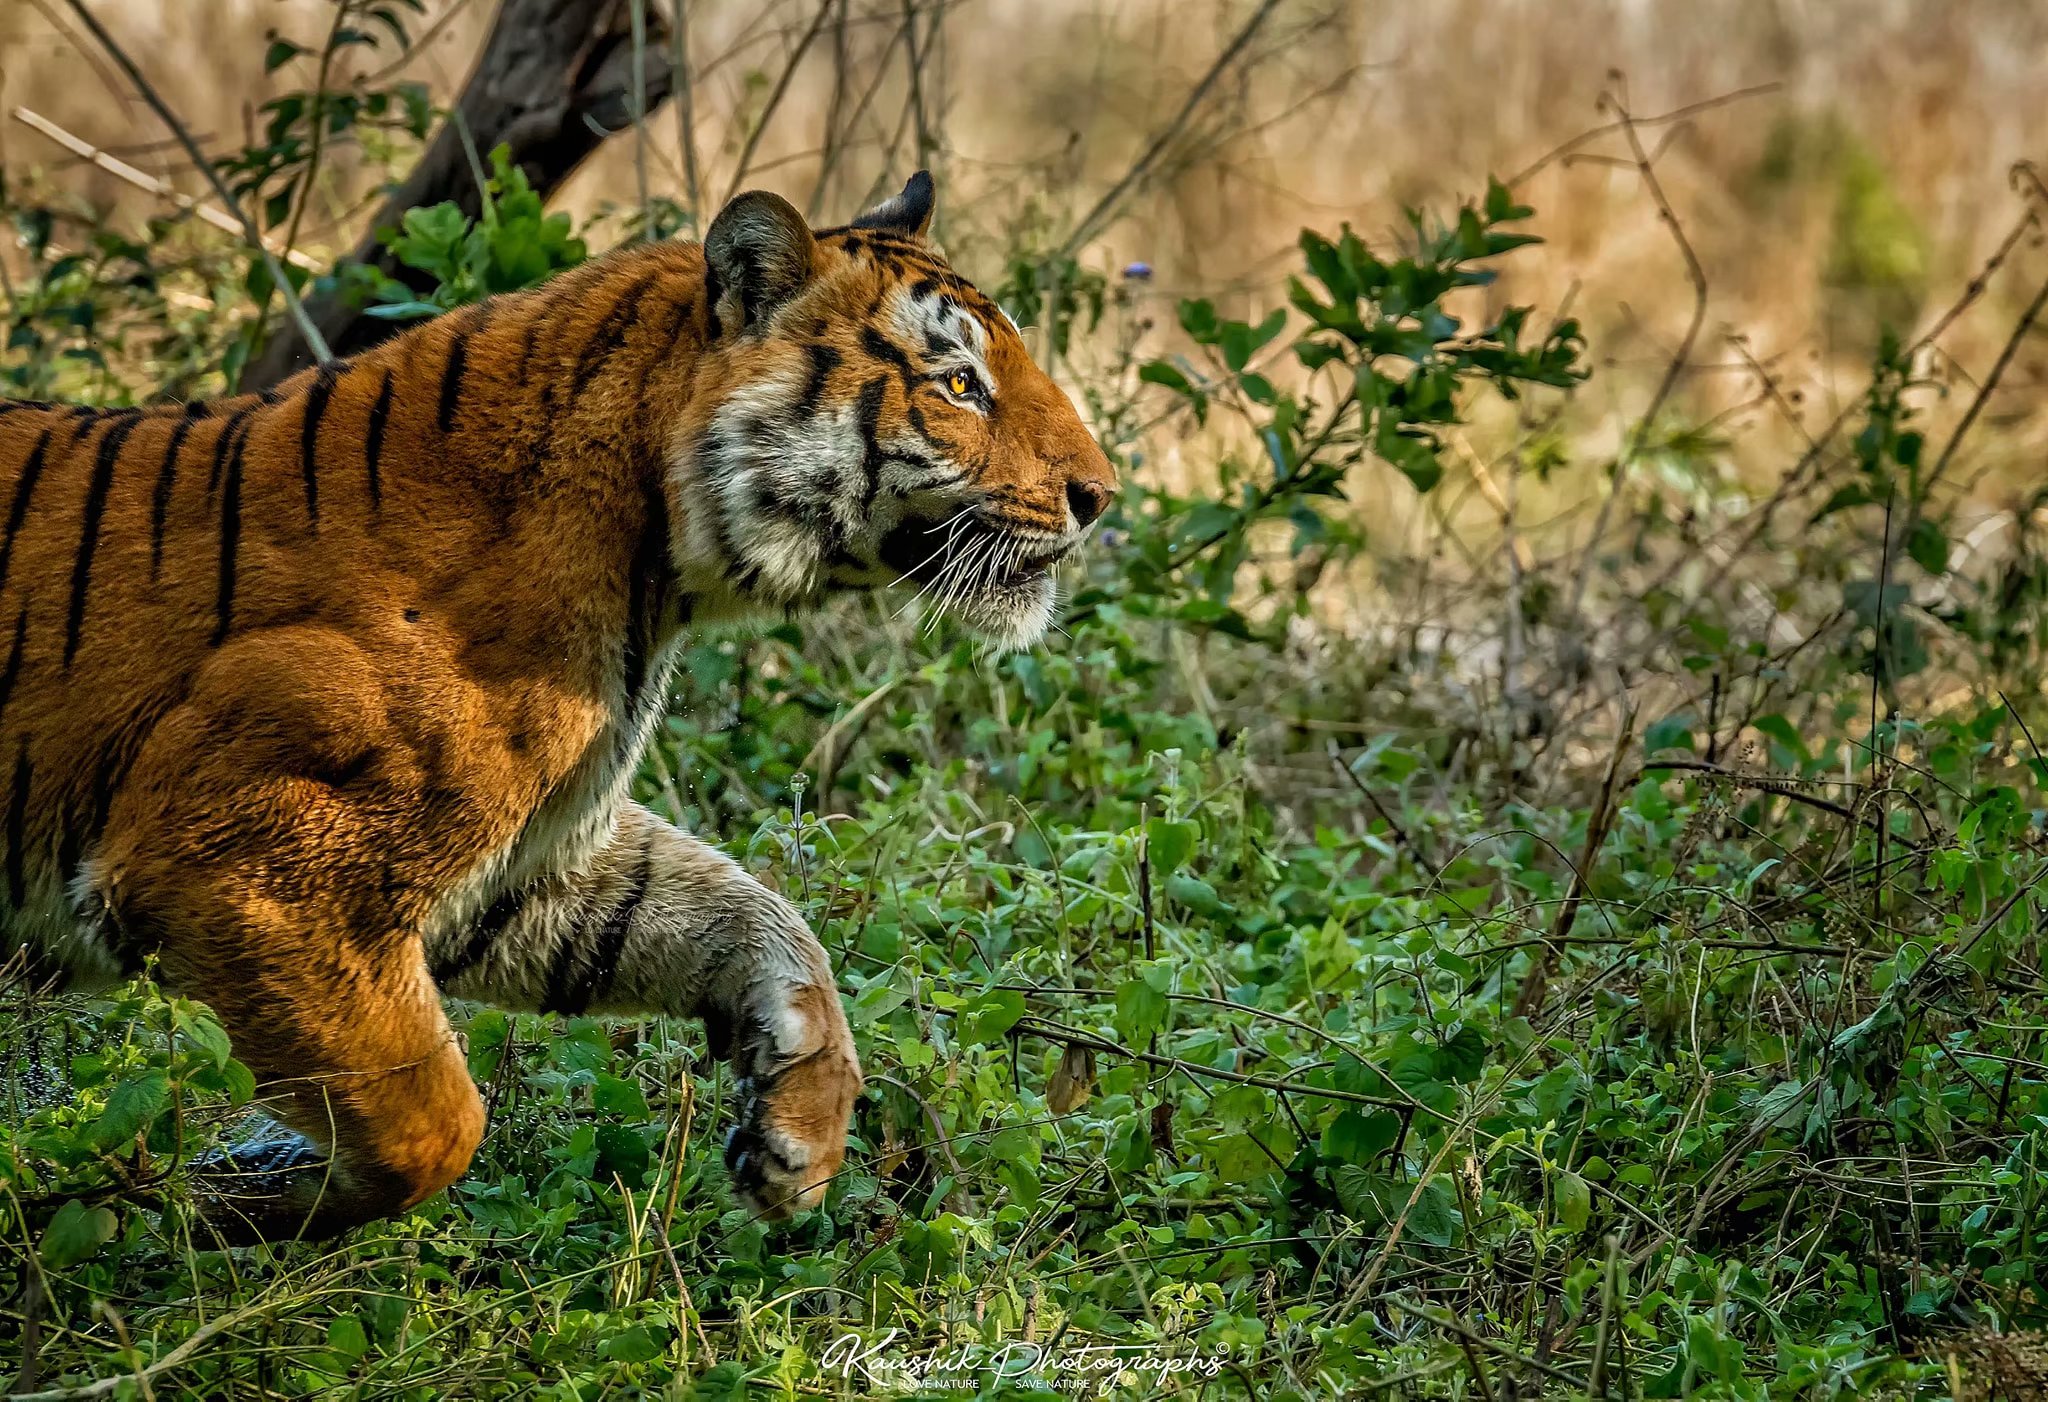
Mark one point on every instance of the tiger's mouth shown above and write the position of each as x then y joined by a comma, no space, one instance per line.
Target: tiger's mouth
995,576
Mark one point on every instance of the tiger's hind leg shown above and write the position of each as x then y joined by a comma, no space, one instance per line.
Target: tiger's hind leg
291,908
661,922
358,1064
376,1117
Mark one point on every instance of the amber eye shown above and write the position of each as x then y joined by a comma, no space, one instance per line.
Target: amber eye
960,383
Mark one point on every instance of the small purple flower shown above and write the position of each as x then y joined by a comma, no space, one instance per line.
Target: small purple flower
1138,272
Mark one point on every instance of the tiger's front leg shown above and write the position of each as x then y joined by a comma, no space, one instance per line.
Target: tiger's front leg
661,922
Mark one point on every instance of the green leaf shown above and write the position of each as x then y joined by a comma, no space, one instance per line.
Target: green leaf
130,1108
622,1150
347,1337
990,1016
1869,601
1196,894
1358,1138
281,52
1463,1055
636,1345
1132,1150
1927,544
1434,1217
1674,732
207,1035
1140,1010
239,1082
1574,1199
1159,372
614,1096
1776,1106
1168,845
75,1233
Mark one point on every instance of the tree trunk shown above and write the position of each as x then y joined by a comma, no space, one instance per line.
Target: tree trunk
555,77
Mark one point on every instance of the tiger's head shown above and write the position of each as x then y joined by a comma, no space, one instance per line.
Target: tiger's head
865,417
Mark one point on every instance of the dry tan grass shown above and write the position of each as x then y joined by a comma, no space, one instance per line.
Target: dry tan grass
1916,109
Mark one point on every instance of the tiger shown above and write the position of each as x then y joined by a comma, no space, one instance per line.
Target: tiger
325,703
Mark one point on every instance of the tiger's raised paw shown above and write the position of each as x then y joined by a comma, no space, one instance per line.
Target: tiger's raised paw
798,1080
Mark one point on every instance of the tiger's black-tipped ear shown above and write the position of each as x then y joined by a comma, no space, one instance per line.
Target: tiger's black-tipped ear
907,213
759,253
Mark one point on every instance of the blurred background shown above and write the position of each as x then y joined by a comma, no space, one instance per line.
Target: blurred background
1859,171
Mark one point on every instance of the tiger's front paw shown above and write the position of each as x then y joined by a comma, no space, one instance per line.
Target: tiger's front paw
798,1079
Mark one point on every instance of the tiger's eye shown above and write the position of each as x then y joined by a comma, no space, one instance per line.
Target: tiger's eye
959,382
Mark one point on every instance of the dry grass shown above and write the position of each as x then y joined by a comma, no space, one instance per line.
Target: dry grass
1865,185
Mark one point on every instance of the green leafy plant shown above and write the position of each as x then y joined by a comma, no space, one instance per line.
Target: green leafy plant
514,243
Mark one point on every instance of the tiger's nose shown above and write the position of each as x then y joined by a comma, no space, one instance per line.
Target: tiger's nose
1087,498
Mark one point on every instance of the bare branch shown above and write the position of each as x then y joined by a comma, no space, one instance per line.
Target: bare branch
315,342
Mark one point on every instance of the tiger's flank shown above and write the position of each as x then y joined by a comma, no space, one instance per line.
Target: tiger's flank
330,698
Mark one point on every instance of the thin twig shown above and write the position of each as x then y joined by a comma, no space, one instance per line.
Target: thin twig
315,342
1678,114
639,91
1400,833
1680,359
143,180
796,58
686,119
1073,1036
1529,1001
1086,228
2021,329
108,1386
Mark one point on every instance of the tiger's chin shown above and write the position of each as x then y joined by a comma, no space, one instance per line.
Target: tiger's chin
1013,614
996,582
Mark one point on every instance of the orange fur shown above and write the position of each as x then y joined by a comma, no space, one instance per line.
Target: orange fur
293,683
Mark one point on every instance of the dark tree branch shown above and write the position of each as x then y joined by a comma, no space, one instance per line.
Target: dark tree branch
555,78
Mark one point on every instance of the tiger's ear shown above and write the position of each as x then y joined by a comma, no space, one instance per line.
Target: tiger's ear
909,212
759,251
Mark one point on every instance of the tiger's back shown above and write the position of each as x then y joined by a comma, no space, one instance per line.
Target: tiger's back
198,566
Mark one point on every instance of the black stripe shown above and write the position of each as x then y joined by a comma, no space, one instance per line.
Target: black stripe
24,488
317,395
945,447
489,926
16,406
166,479
610,333
611,940
89,532
670,330
451,382
869,416
373,443
573,982
714,290
223,443
230,543
643,587
890,354
85,420
12,672
529,338
17,829
119,758
824,360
